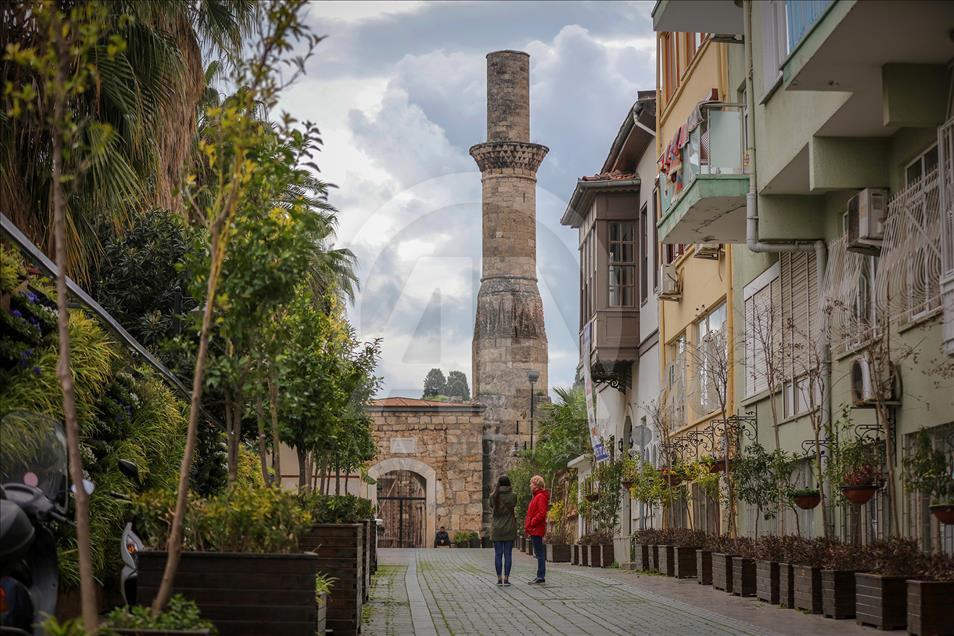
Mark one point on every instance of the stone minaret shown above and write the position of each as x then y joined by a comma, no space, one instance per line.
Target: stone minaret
509,336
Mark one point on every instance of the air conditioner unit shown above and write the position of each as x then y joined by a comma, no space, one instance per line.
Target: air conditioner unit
710,251
670,287
866,388
864,221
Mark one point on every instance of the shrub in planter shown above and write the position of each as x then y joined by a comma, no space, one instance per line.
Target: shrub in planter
929,600
769,552
743,576
181,616
881,594
839,565
806,558
724,549
241,562
461,539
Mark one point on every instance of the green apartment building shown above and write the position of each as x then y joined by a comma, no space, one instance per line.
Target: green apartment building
841,232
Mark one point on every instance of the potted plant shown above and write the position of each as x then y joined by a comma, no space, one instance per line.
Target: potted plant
181,617
242,544
743,567
323,585
558,550
724,550
858,464
806,498
929,598
881,594
630,472
929,471
665,552
461,539
839,565
641,543
685,543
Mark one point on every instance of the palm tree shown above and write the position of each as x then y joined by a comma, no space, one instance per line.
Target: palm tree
151,81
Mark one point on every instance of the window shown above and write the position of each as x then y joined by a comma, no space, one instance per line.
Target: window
800,337
622,264
674,251
643,254
587,274
667,65
675,407
922,165
711,361
763,331
774,43
655,242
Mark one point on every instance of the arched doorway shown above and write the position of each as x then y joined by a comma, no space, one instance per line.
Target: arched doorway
402,502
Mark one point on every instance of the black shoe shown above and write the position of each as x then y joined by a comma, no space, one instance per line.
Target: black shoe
537,581
499,583
506,583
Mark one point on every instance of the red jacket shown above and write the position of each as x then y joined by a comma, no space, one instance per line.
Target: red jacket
536,522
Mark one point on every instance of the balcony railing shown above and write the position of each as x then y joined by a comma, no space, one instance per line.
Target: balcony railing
713,145
945,143
801,16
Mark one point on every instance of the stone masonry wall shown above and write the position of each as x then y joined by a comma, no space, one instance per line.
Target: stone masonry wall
448,442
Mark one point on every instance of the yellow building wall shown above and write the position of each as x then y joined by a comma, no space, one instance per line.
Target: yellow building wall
705,283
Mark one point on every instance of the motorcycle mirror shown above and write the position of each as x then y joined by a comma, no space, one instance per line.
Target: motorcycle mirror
88,486
130,469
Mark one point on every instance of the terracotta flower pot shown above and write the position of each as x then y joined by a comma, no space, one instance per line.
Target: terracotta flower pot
943,513
859,495
807,502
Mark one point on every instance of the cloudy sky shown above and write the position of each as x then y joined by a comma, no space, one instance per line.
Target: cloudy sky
399,91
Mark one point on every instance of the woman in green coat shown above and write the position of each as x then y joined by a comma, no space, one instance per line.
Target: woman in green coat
503,532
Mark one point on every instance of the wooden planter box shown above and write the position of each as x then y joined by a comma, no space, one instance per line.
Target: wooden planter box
766,581
608,555
158,632
929,607
641,557
808,592
704,567
373,545
786,585
722,571
838,593
574,554
685,563
654,558
529,547
667,558
881,601
366,566
558,553
243,594
585,555
340,550
743,576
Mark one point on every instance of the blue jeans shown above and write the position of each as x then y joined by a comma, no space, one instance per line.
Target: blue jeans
540,551
503,551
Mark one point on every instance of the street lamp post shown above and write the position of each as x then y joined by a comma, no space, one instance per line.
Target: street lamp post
533,376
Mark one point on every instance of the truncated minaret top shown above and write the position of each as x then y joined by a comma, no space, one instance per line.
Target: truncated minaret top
508,96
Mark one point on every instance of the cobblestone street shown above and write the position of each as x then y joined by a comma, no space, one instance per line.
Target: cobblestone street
425,592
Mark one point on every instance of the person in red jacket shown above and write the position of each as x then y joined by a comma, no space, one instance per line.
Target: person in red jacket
536,525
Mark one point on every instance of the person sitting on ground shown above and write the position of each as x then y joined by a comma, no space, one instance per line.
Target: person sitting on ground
536,525
441,539
503,532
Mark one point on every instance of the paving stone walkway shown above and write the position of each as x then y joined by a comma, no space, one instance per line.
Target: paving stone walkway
442,591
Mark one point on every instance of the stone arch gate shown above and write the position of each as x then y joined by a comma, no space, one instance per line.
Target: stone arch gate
408,483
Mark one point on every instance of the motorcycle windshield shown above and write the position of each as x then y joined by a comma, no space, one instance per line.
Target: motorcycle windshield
33,452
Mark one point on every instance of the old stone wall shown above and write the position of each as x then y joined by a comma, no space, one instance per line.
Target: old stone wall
447,439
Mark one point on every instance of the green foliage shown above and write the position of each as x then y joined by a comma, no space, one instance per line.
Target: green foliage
323,585
243,518
337,508
457,385
928,470
461,538
180,613
435,383
648,485
72,627
762,478
604,511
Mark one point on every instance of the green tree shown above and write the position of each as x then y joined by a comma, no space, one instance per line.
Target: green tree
457,385
435,384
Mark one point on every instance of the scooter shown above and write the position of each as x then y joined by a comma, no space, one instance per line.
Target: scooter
130,544
33,493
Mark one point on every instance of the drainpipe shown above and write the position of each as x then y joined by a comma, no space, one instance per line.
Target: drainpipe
752,218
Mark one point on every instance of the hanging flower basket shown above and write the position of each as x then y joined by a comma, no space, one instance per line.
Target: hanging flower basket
592,496
717,466
944,513
859,494
807,501
671,478
627,484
